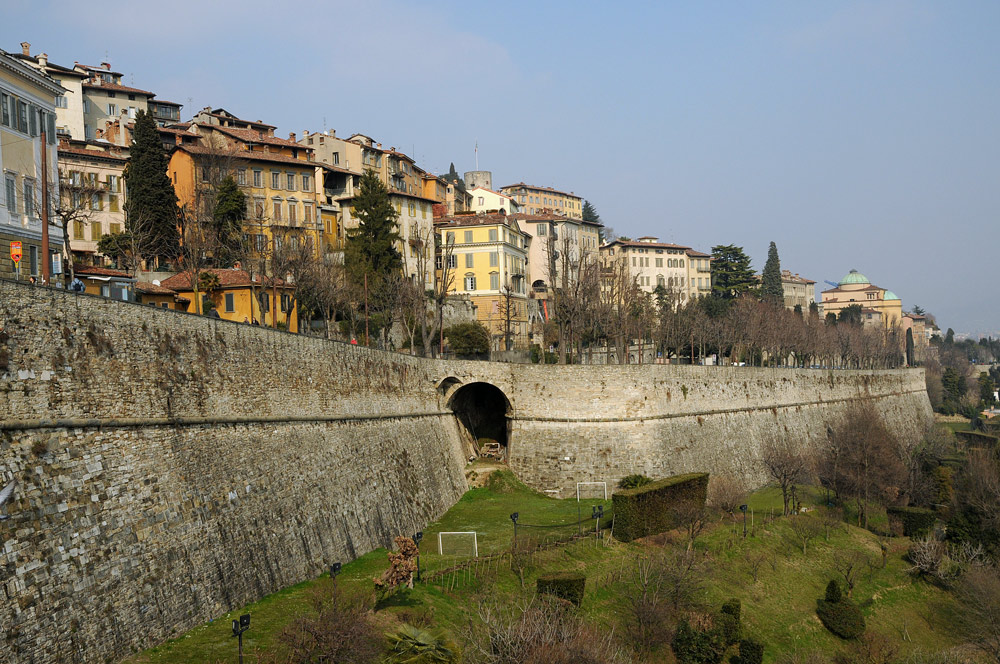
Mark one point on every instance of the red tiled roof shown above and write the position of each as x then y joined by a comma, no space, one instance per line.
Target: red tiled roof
168,103
93,154
474,220
94,271
115,87
227,279
697,254
251,156
654,245
254,136
152,289
548,189
524,216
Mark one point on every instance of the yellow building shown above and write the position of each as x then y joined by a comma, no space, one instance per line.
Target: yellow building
487,260
679,269
27,107
880,307
542,200
237,298
277,175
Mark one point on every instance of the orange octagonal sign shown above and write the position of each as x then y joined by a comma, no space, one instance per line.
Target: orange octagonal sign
15,251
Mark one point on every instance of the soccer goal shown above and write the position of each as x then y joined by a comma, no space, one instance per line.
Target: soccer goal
458,544
591,490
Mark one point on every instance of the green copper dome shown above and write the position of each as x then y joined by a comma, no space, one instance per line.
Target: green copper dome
854,277
889,295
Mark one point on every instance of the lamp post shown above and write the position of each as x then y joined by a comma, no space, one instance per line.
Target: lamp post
240,626
743,508
513,517
597,513
334,570
416,540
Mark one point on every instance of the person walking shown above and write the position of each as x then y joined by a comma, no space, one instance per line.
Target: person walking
76,285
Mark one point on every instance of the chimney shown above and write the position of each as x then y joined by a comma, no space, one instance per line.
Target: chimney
305,133
26,49
291,136
43,59
106,65
378,145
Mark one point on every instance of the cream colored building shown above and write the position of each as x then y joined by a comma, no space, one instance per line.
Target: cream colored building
27,107
348,159
556,242
488,201
880,307
677,268
798,291
488,263
93,193
545,200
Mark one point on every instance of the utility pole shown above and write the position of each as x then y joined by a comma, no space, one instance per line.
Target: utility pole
46,261
366,309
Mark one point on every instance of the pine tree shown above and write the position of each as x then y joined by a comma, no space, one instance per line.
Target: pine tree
770,281
152,203
371,247
590,213
732,275
228,216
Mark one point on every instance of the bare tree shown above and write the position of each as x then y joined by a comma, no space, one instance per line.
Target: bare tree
446,264
787,464
806,529
978,596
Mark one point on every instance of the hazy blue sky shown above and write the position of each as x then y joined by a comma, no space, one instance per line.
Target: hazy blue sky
854,134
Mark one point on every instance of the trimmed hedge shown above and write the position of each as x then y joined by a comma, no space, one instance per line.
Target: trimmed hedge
646,510
978,438
839,614
729,621
564,585
633,481
917,521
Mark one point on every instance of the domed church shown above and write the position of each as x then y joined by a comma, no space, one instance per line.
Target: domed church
878,305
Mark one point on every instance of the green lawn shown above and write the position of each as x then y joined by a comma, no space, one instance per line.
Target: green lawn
778,608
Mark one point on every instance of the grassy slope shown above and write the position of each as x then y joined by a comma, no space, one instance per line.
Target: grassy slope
779,608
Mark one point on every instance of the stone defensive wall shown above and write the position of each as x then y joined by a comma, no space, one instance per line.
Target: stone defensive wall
170,467
600,423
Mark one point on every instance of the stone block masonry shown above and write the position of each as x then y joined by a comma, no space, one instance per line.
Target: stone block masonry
171,467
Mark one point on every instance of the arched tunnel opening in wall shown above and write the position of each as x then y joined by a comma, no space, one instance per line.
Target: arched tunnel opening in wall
484,411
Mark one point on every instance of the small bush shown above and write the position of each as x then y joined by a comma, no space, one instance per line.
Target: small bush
411,645
693,646
633,481
751,652
917,521
39,448
839,614
564,585
729,621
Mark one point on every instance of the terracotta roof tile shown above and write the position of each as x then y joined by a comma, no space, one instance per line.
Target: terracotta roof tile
227,279
548,189
153,289
94,271
254,136
115,87
252,156
654,245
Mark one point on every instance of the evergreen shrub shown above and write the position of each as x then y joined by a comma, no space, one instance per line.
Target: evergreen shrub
839,614
917,521
751,652
729,621
693,646
647,509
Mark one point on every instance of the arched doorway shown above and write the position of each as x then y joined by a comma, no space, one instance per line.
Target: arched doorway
484,411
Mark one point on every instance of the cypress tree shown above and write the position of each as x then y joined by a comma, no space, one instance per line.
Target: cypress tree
228,216
151,211
770,278
371,247
590,213
732,275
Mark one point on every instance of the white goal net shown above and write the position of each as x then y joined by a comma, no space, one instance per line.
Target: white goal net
458,544
592,490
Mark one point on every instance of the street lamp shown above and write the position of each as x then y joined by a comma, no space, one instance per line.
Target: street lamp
743,508
513,517
334,570
416,540
597,513
240,626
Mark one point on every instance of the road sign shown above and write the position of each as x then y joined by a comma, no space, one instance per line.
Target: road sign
15,251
